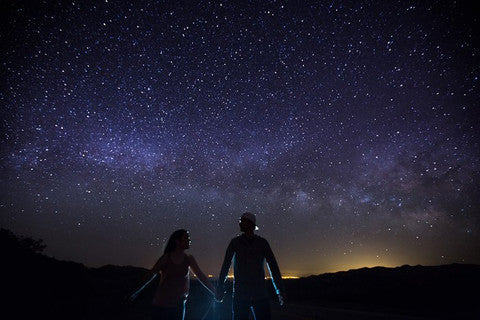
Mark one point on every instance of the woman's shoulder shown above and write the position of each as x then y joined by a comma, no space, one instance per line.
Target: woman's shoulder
189,258
160,264
163,259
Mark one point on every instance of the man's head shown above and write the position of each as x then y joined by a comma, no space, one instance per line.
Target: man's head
248,222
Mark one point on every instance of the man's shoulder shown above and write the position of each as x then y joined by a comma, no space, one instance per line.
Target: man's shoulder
261,239
242,239
236,239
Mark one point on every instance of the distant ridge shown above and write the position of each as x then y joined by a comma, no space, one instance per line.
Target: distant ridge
404,267
426,290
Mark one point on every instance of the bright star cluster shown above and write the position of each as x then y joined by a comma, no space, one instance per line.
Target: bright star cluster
350,129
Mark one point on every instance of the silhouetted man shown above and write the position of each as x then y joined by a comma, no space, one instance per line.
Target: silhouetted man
249,253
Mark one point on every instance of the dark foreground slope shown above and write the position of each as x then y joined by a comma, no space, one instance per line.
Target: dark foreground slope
35,285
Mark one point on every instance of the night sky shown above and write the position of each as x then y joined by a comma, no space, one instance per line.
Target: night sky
350,128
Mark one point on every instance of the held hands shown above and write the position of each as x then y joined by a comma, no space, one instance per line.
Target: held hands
281,299
219,294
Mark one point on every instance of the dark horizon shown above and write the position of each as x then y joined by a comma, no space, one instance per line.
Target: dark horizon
44,246
408,292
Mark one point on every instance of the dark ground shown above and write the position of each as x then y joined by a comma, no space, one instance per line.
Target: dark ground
37,286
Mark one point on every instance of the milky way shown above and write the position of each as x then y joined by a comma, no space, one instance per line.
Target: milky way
350,129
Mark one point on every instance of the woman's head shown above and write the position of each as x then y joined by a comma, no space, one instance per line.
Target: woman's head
179,238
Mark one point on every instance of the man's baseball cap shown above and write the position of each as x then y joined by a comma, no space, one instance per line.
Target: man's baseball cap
251,217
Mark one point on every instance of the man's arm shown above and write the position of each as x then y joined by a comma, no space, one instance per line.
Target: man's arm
274,272
227,261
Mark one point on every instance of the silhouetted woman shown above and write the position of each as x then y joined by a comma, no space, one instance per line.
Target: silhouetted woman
173,266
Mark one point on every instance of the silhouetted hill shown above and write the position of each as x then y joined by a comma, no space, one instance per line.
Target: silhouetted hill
41,286
421,290
36,284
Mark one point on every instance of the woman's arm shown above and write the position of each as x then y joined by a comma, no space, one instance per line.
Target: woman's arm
136,293
200,275
150,276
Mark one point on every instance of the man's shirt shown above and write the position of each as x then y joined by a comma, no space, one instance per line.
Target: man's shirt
249,256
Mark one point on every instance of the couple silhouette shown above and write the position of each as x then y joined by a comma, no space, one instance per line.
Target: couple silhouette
249,253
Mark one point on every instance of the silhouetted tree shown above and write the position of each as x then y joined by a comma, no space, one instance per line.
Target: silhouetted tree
16,244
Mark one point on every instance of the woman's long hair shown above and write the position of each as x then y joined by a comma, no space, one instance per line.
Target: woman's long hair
172,241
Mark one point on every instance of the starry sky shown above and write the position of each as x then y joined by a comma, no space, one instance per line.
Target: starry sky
349,127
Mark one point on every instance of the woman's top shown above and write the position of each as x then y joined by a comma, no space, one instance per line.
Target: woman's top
174,283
